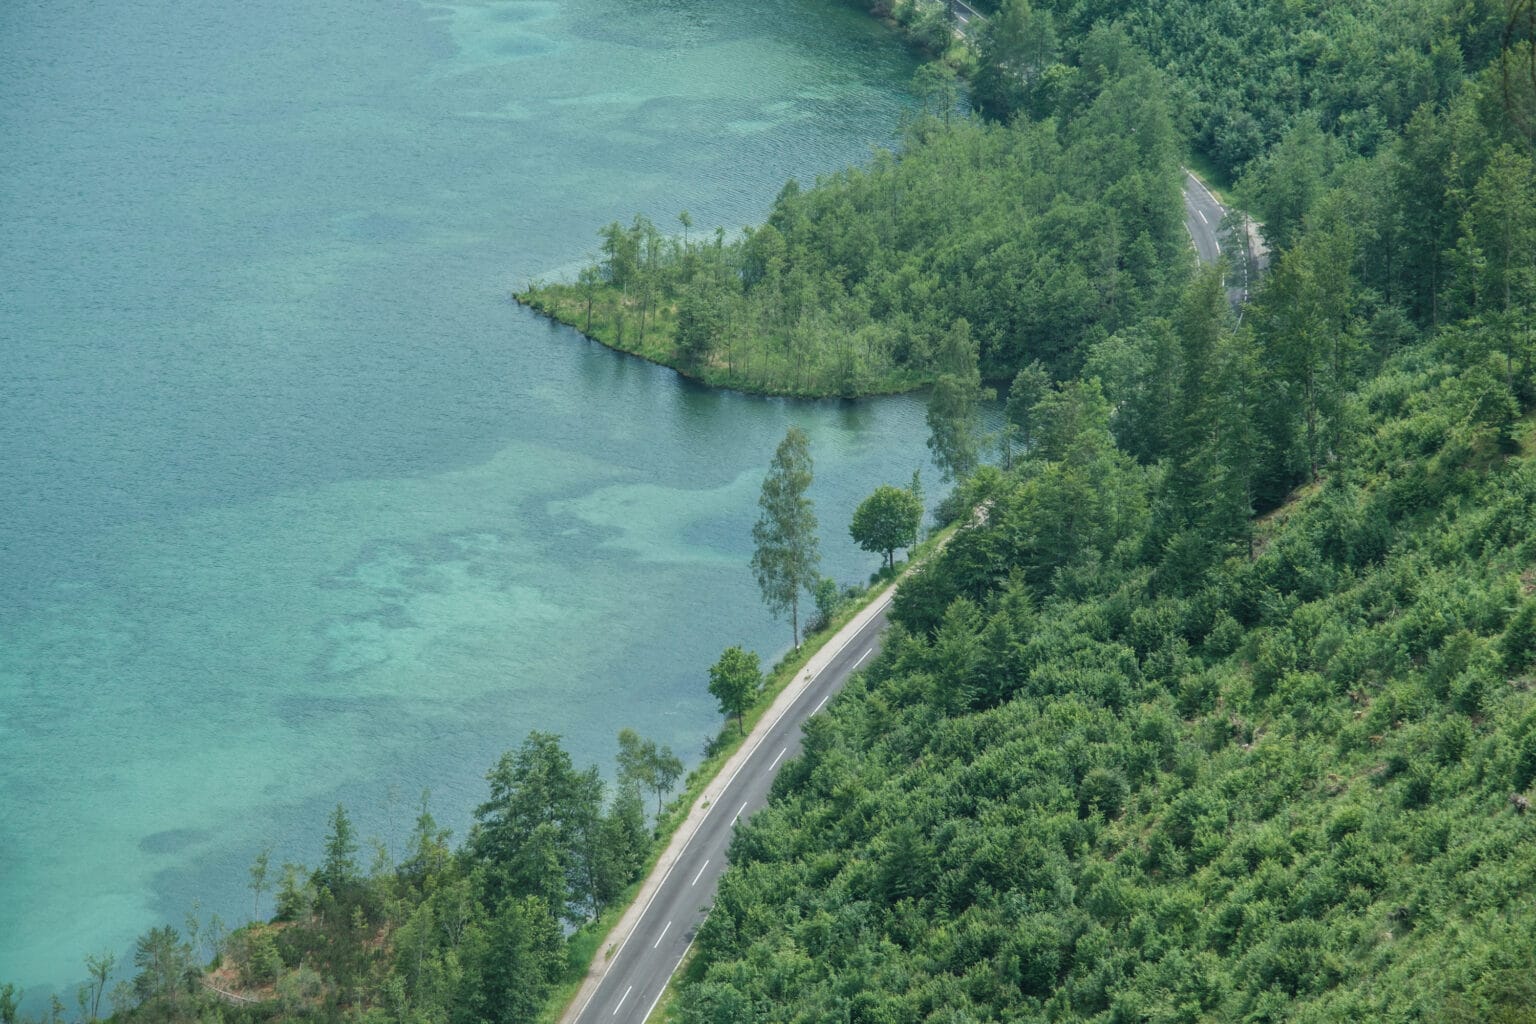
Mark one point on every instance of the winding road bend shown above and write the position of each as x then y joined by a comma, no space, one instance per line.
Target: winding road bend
1204,215
650,941
1205,218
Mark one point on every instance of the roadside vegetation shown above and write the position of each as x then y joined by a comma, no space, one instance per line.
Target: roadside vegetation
501,929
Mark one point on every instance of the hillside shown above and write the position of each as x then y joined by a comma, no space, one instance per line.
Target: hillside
1086,784
1224,711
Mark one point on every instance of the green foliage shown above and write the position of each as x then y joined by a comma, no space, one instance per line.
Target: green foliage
1010,817
1130,753
785,550
700,325
954,407
510,963
886,520
829,598
537,834
1043,237
735,681
338,871
260,961
295,894
647,766
1518,644
166,970
447,935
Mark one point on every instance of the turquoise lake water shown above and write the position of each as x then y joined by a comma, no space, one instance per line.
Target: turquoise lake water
298,507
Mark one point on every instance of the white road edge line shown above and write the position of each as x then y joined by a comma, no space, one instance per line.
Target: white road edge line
700,874
776,760
662,935
621,1001
669,979
1190,175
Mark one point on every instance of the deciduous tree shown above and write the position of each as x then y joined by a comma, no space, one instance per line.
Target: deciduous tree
787,553
886,520
648,766
734,681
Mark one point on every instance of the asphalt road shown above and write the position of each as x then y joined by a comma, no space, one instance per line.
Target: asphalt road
964,15
1203,216
639,970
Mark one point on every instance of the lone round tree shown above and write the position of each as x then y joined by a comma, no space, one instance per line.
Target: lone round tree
734,681
887,520
787,556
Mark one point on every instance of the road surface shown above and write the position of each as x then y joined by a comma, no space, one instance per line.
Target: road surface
1205,217
964,15
625,987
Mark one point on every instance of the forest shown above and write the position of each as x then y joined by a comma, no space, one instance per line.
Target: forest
1222,707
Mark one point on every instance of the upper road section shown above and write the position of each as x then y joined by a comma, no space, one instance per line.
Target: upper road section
1211,233
1203,215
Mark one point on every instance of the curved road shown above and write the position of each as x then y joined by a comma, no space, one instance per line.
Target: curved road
624,988
1204,216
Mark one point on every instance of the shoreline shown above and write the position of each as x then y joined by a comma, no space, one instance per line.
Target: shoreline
527,301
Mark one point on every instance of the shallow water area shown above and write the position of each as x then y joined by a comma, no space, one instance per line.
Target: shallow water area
301,508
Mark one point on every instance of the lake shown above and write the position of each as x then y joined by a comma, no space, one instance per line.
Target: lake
298,507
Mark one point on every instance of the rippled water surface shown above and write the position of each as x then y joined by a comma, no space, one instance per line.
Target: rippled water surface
297,507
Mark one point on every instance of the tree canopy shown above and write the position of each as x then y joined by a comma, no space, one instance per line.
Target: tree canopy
886,520
734,681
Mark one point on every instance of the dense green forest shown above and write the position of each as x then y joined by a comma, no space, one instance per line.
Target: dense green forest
1240,75
1223,708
